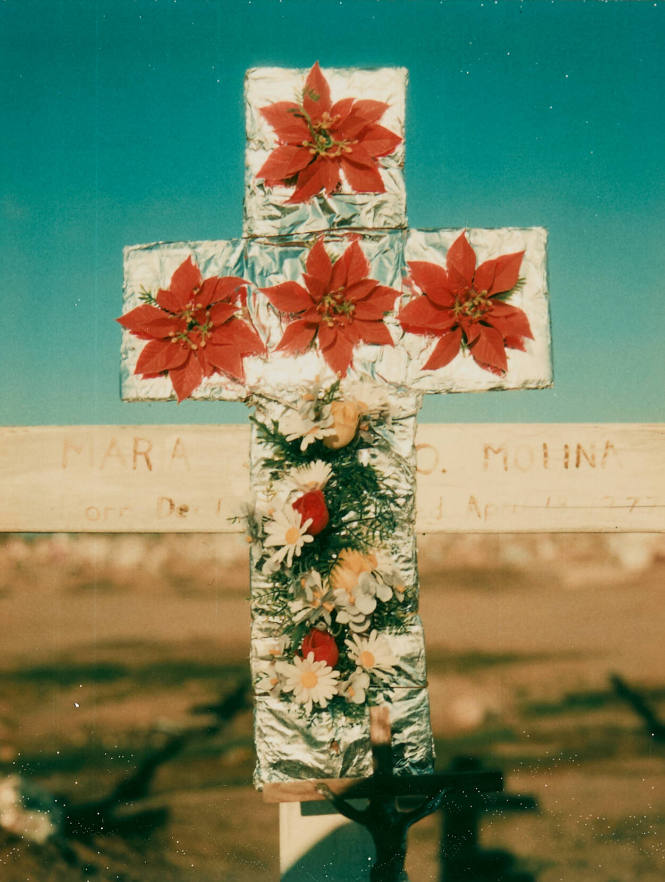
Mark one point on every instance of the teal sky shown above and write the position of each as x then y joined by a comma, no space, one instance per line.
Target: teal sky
122,122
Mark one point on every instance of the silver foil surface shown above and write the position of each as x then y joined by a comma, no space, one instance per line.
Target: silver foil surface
291,744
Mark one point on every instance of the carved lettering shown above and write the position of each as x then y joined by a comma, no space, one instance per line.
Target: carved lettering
107,513
165,507
487,449
523,457
589,457
179,452
526,457
609,448
473,507
113,451
141,448
70,446
431,456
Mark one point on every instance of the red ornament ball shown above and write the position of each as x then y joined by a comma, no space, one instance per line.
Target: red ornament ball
313,505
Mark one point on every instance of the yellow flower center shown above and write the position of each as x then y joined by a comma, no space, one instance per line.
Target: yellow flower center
473,304
334,308
291,536
367,659
322,142
308,680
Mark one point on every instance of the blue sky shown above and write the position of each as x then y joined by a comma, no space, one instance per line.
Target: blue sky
122,122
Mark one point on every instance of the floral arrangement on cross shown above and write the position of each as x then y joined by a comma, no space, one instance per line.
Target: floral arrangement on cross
319,535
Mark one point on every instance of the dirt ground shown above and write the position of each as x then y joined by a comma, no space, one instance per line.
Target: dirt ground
113,648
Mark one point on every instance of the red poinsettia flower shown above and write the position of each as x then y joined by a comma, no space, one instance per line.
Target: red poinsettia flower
339,307
318,139
193,329
465,306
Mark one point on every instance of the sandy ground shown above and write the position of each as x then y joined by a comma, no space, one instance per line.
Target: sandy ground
109,643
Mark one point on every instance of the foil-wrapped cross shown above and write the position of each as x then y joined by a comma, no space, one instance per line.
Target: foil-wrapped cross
332,319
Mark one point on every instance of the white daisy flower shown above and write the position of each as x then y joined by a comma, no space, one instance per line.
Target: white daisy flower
313,476
372,654
312,682
288,534
268,680
294,425
312,601
354,689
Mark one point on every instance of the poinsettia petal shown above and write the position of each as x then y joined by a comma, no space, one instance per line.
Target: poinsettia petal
322,174
327,336
372,332
381,301
316,287
488,350
511,342
283,163
287,120
444,351
298,337
432,280
148,322
509,319
179,293
360,290
363,113
221,312
288,297
225,358
470,328
319,265
186,378
421,316
379,141
316,95
339,112
461,260
231,289
359,156
500,274
160,355
362,179
357,265
340,355
239,334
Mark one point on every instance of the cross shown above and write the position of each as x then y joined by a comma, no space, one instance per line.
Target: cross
331,319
